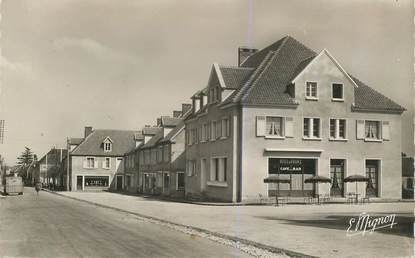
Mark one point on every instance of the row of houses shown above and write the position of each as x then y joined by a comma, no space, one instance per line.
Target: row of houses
283,110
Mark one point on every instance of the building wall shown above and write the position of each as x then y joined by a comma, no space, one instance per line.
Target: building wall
78,170
324,72
198,185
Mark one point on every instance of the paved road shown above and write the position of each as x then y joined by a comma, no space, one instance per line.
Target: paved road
51,226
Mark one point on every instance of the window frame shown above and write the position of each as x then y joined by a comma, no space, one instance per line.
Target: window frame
177,181
379,131
305,91
332,92
337,129
87,163
282,136
109,163
311,125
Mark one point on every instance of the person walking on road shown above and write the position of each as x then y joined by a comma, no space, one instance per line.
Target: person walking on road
37,187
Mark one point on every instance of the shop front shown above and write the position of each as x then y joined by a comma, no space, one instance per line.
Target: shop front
92,183
296,170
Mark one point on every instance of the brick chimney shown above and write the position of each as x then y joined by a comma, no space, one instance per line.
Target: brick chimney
244,53
177,113
159,121
185,108
88,131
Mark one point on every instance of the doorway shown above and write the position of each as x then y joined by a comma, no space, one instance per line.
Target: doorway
119,183
372,172
79,183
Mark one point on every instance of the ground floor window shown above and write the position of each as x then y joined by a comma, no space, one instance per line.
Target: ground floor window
337,176
372,172
180,181
96,181
218,167
296,170
128,181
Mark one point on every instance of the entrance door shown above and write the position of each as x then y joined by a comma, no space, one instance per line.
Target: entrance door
337,176
372,171
79,183
166,183
119,183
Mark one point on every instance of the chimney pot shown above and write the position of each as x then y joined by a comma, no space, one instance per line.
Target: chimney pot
177,113
88,131
244,53
185,108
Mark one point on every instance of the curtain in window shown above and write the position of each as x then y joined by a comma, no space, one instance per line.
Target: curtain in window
274,126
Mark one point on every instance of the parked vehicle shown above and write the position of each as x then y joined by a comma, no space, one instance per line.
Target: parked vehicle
13,185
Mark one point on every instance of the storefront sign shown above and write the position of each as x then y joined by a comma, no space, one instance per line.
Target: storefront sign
290,165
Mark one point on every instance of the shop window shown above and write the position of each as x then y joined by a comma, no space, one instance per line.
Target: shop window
96,181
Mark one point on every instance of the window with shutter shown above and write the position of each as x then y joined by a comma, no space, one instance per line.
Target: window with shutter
260,126
360,129
385,130
289,127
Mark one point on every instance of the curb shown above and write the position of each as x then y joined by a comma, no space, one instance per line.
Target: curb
271,249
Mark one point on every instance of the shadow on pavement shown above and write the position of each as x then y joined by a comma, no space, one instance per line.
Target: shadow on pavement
404,222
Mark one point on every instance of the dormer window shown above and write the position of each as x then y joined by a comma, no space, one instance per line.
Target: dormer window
107,145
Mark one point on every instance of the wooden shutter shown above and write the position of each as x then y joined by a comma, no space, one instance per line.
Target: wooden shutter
260,125
289,127
104,163
95,163
85,163
360,129
385,130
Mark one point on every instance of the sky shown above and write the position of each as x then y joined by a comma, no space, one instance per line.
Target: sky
110,64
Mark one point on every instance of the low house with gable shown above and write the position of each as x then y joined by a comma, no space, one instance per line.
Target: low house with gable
97,162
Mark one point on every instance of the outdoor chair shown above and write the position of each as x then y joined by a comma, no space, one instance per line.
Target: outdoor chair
309,199
261,198
350,198
326,198
365,200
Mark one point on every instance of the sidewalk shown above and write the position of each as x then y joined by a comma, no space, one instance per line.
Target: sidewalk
318,230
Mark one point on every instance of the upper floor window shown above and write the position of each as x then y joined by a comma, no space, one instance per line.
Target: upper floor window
337,91
372,129
274,126
337,129
166,153
160,154
311,128
107,163
311,90
107,146
90,162
225,128
213,131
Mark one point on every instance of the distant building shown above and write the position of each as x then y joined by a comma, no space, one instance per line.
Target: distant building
290,111
48,169
97,161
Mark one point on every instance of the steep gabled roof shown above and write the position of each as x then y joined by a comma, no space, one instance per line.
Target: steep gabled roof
75,141
123,142
234,77
170,136
151,130
167,121
368,99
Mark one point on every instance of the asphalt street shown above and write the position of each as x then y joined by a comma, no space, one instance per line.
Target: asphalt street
52,226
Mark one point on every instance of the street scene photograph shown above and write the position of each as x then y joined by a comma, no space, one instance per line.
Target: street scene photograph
220,128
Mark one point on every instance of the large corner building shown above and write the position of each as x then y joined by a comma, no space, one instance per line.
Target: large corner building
290,111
